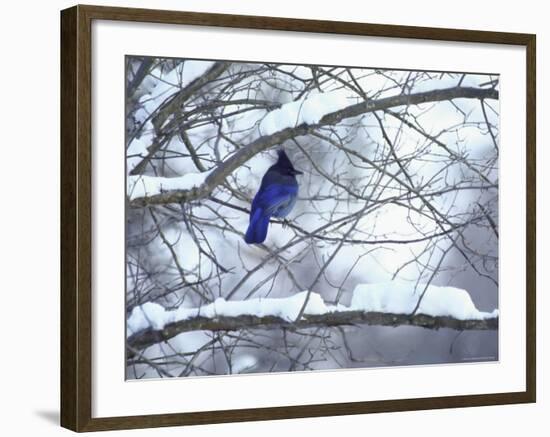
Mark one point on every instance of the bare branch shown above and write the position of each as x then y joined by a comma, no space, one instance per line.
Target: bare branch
174,102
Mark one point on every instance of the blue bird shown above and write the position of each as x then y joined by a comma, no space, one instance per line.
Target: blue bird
275,198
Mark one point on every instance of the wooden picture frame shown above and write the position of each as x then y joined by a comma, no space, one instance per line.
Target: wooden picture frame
76,217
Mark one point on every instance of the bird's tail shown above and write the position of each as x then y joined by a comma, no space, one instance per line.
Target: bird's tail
257,229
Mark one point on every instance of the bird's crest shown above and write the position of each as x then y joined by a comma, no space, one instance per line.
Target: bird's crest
284,161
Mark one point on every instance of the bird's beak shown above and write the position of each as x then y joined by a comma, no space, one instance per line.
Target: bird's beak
298,172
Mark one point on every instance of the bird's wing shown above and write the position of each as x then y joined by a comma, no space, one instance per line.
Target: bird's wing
274,197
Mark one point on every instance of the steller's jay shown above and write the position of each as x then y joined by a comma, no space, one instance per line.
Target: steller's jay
275,198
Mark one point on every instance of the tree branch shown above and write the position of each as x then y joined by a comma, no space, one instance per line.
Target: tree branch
172,104
218,175
149,337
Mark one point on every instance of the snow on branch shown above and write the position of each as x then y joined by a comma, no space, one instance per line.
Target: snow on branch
384,304
145,186
280,127
308,110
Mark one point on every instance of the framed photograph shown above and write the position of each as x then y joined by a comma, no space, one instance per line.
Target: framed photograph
289,218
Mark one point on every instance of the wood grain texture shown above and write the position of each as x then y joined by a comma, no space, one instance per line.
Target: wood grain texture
301,25
531,217
76,222
68,347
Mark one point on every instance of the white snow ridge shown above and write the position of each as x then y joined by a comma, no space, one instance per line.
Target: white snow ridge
309,110
388,297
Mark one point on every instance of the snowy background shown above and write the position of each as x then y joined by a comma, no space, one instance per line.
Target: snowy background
395,206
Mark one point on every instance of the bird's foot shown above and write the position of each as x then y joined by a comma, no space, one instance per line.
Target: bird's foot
286,223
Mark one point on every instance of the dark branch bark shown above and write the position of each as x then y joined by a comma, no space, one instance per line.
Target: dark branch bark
149,337
172,105
142,71
218,175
